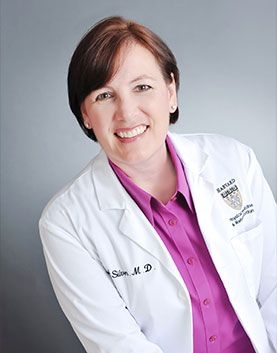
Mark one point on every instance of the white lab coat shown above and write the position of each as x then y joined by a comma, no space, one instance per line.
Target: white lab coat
116,281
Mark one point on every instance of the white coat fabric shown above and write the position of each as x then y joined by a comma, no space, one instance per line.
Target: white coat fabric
116,281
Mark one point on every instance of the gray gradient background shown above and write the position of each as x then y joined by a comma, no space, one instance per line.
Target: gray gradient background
226,52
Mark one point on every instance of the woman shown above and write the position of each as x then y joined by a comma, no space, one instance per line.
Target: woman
164,243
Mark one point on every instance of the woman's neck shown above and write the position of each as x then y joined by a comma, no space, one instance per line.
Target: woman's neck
157,176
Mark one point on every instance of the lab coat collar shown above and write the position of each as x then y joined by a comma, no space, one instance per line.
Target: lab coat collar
113,196
193,157
108,189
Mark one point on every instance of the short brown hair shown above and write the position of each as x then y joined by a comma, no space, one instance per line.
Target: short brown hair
93,62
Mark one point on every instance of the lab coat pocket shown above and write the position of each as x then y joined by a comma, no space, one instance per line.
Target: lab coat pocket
248,247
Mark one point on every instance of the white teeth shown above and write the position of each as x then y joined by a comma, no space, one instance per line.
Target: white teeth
132,133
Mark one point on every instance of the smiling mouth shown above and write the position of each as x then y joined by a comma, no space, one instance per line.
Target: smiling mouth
139,130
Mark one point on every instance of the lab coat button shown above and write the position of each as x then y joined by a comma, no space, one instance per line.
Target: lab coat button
212,338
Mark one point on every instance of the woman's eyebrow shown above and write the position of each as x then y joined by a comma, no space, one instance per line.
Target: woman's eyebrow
142,77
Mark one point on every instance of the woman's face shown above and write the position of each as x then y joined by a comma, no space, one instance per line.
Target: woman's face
130,114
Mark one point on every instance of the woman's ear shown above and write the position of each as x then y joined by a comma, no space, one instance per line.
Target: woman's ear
85,116
87,125
172,92
83,111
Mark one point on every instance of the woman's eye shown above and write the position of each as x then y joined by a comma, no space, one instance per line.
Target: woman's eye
103,96
143,88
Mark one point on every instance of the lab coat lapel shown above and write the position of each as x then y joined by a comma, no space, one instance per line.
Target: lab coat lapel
218,237
132,223
138,229
210,217
219,234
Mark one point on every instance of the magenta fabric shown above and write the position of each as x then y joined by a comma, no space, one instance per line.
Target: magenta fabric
216,328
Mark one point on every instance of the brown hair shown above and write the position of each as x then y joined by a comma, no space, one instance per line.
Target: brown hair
94,60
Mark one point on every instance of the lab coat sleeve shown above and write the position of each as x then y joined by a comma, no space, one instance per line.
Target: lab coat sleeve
88,297
265,207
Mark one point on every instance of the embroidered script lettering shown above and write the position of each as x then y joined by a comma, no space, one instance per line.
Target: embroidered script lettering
137,270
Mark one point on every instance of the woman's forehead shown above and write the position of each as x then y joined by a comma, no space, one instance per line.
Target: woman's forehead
132,56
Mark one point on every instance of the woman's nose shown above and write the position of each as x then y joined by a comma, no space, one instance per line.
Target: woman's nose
125,108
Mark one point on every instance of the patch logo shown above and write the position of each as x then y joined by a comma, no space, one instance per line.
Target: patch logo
231,194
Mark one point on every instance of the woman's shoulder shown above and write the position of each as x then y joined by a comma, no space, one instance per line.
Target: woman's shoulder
221,151
208,140
75,194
